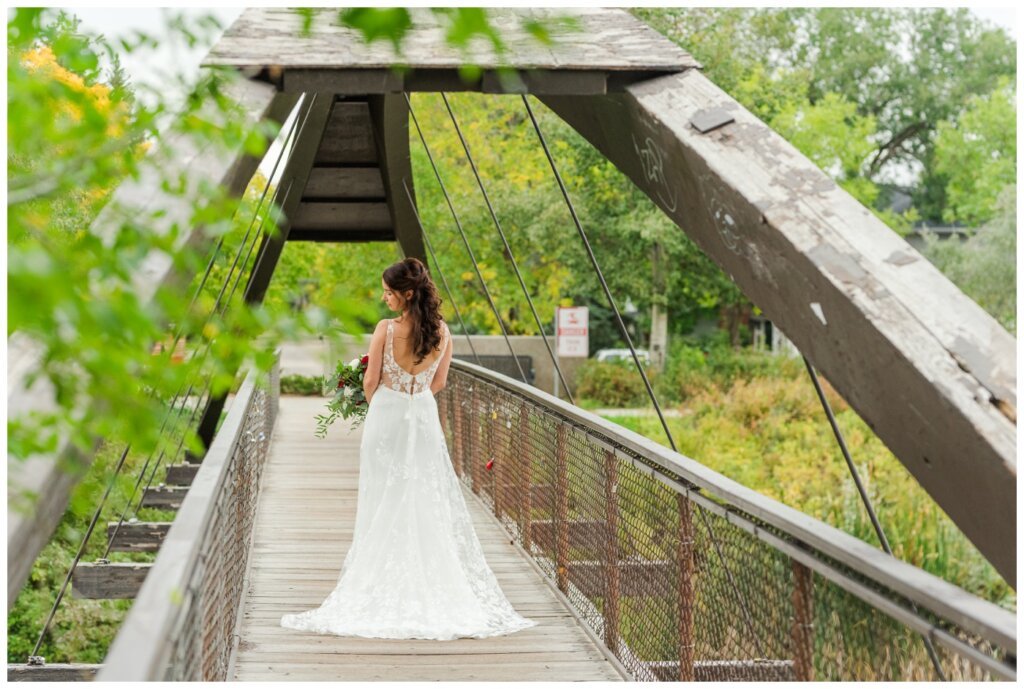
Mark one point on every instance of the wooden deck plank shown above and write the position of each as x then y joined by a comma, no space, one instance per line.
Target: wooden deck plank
322,476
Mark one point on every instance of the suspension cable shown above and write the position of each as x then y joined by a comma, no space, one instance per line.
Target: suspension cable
508,248
597,269
252,222
33,656
220,295
636,360
444,280
864,497
465,241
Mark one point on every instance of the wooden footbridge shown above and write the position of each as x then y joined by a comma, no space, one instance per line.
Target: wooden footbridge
639,562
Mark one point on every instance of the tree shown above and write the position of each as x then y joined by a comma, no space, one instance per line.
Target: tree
909,69
985,265
976,153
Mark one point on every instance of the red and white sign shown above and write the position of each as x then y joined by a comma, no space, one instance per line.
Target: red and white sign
573,333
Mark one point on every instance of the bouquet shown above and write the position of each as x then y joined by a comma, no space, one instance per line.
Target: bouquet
348,398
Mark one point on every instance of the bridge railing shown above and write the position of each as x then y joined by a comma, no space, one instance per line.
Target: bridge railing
687,575
183,622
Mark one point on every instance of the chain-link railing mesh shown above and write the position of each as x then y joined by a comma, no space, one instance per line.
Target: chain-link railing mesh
678,587
201,643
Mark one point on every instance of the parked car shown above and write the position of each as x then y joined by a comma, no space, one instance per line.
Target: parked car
622,355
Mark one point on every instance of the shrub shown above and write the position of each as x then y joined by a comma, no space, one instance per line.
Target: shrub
302,385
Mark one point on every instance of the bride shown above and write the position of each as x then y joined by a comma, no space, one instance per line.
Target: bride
415,569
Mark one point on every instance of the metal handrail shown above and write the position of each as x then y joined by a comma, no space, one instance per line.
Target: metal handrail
807,537
168,598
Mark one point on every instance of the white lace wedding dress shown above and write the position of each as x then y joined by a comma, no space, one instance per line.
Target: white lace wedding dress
415,569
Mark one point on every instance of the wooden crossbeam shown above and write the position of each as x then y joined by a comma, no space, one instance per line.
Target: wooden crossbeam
342,215
928,369
339,236
349,137
361,183
113,580
137,537
52,672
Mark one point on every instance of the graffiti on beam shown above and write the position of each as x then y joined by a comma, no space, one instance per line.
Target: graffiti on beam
652,158
726,220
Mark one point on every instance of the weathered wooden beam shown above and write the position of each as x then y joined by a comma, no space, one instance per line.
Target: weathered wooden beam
344,215
164,497
349,139
181,474
609,40
726,670
106,581
137,537
636,577
344,183
929,370
53,672
31,520
390,117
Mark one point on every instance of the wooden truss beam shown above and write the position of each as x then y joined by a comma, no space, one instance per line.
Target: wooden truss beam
929,370
29,526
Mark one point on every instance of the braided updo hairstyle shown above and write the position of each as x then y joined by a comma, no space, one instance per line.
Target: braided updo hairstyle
424,306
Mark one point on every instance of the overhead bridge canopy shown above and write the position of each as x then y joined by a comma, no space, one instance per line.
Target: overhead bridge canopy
605,51
928,369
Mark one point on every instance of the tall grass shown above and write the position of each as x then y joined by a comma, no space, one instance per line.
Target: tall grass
756,419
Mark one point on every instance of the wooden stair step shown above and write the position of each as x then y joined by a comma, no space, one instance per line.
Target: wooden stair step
53,672
181,474
636,577
541,496
137,537
164,497
726,670
583,533
110,580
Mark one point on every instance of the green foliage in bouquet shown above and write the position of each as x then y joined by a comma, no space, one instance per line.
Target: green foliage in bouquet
349,400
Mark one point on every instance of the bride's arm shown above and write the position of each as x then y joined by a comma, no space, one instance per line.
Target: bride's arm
371,379
441,374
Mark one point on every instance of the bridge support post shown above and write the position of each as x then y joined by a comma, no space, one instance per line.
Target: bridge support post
526,472
459,460
561,511
610,605
802,631
474,442
684,590
496,447
315,113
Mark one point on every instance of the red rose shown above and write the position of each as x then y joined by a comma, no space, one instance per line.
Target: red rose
341,384
490,464
365,359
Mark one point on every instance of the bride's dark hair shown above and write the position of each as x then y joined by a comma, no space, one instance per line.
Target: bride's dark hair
424,305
